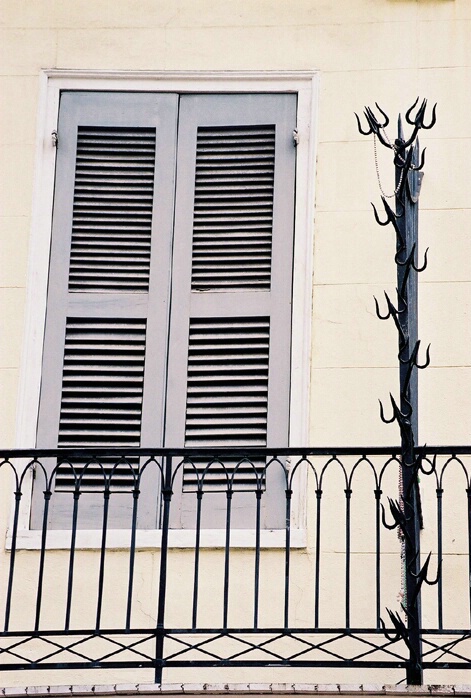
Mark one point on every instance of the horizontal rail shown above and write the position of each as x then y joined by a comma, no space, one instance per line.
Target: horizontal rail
300,451
250,451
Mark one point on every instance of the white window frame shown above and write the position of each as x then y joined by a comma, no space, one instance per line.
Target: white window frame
305,85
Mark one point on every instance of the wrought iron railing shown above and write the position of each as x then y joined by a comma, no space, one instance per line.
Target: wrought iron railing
83,585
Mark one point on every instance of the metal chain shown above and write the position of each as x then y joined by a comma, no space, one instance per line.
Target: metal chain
393,147
402,596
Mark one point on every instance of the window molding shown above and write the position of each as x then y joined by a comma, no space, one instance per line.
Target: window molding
151,539
305,85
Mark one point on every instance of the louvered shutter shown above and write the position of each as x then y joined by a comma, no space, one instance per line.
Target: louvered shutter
104,364
229,350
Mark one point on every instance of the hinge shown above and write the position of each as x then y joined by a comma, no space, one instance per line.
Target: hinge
55,140
295,137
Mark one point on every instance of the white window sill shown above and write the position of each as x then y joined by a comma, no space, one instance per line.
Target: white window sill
151,540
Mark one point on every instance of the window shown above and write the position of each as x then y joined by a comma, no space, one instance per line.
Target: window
56,83
170,280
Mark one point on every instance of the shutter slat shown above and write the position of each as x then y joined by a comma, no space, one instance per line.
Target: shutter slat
222,420
115,165
111,241
103,358
229,163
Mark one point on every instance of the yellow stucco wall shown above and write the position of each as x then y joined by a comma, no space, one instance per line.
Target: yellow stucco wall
384,50
387,51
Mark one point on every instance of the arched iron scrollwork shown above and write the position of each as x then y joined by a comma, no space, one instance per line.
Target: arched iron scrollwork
406,512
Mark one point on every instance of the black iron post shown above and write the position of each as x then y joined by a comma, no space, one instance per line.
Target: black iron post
160,629
406,511
407,214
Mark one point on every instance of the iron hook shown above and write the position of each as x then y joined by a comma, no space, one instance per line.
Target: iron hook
381,414
392,311
401,631
375,125
427,357
417,168
390,215
420,112
394,525
422,575
363,133
393,638
424,265
386,117
433,120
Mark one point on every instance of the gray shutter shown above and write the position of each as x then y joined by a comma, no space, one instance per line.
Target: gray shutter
104,365
229,351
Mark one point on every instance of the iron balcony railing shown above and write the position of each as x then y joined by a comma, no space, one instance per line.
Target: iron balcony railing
167,560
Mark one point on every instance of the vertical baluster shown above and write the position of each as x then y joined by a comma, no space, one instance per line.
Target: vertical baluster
227,558
199,501
101,574
159,642
378,494
440,554
318,557
289,493
42,557
132,554
70,580
11,571
256,591
468,492
348,494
